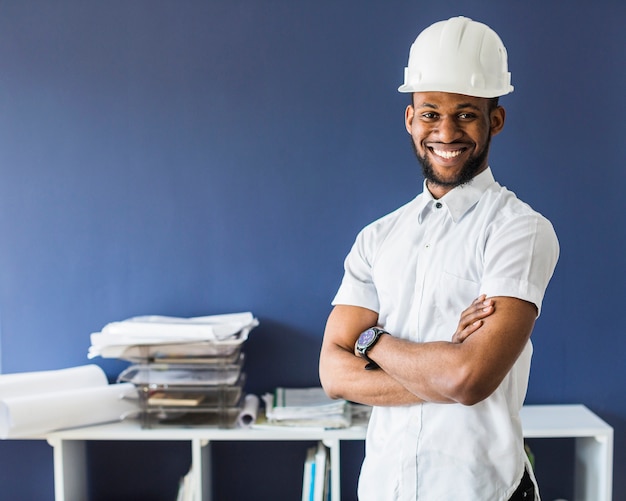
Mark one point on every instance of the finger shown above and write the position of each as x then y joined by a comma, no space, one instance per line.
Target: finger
475,312
477,303
463,334
472,316
471,320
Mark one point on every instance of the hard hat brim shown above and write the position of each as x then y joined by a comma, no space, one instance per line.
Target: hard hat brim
486,93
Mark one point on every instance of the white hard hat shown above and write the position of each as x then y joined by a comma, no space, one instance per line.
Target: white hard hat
459,56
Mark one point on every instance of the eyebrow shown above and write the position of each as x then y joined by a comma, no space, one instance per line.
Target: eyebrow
461,106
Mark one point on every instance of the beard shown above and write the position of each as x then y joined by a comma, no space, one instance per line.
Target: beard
472,167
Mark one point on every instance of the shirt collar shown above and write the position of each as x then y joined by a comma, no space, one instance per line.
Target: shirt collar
458,200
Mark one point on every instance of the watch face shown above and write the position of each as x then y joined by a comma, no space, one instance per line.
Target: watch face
367,337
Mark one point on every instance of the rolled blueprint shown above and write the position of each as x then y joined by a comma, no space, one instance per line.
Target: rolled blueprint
34,403
37,414
249,412
28,383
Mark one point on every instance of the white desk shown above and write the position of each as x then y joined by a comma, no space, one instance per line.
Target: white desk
594,448
594,444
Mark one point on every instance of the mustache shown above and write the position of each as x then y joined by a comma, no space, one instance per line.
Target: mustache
467,173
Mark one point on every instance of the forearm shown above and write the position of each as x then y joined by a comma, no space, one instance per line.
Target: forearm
410,372
464,372
343,375
431,372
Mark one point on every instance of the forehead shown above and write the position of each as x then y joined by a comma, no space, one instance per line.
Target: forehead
448,100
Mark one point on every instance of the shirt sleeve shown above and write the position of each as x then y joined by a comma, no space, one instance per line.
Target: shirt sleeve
520,258
357,287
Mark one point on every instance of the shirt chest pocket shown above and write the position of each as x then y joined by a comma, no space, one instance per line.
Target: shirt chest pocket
453,294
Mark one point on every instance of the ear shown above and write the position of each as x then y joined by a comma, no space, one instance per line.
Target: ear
409,113
496,120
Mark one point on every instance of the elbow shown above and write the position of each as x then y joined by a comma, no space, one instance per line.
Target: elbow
469,389
330,384
469,398
332,390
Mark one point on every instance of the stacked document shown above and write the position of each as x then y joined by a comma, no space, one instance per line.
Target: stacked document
157,336
187,371
306,407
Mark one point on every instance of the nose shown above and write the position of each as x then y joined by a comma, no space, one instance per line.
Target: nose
448,129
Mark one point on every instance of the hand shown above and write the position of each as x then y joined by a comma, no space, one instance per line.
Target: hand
472,318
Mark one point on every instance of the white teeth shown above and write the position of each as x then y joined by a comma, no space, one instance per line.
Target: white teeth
447,154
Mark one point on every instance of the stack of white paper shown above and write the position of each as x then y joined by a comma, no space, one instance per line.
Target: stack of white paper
161,334
34,403
306,407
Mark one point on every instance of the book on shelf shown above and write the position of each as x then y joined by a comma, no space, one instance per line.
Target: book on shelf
308,476
316,475
186,491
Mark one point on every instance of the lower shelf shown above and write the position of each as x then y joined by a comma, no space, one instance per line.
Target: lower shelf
594,448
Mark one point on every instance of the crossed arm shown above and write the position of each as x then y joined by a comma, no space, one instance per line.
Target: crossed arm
489,338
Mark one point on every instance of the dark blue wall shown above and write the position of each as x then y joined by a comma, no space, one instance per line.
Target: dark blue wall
200,157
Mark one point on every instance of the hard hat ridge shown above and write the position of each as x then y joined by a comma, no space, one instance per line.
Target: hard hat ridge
459,56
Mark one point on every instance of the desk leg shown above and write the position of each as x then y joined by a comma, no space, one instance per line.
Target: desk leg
201,469
594,468
70,470
335,468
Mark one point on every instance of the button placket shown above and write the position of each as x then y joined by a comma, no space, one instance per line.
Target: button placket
432,221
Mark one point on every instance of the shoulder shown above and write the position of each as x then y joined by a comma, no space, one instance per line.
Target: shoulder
506,208
372,237
509,219
379,228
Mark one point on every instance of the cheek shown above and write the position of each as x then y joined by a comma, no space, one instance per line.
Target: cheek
480,133
417,136
417,145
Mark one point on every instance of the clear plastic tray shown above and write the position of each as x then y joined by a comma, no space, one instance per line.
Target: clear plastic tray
185,398
204,350
225,417
231,358
166,375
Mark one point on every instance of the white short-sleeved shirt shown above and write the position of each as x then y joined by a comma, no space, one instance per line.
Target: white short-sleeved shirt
419,267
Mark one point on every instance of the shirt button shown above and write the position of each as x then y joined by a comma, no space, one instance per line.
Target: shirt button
439,205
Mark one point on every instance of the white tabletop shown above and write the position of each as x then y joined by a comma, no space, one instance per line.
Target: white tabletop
537,421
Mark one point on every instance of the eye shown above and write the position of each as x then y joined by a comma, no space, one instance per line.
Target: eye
429,115
467,116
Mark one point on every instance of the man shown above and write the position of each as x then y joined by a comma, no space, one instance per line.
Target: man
446,394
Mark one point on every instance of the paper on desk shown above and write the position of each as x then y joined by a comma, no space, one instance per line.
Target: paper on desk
293,403
306,407
32,404
116,337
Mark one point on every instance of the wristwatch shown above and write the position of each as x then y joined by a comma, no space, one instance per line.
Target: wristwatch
365,341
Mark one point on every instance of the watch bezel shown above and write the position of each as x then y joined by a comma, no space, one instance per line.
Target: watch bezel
363,346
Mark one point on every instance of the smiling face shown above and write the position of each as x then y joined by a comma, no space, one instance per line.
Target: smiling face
451,134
